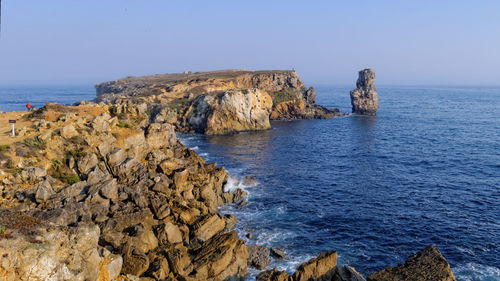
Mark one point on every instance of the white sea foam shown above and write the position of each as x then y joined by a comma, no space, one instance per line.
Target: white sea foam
476,272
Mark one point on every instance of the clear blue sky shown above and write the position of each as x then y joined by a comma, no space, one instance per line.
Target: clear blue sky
327,42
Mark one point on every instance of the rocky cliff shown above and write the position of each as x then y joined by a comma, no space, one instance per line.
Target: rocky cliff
217,102
364,99
90,197
97,192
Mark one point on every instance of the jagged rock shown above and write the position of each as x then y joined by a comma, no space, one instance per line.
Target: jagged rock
100,123
426,265
108,189
364,99
208,227
179,260
221,257
316,267
168,233
249,181
135,261
229,112
258,256
278,253
69,131
43,192
56,254
86,163
160,135
273,275
310,96
346,273
35,173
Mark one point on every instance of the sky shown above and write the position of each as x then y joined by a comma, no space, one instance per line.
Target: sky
64,42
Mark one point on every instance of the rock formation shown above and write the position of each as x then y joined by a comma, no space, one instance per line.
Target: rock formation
426,265
217,102
364,99
124,199
322,268
115,199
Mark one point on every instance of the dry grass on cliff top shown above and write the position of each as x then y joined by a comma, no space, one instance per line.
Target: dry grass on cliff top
180,77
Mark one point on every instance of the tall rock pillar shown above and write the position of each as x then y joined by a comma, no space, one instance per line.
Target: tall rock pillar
364,98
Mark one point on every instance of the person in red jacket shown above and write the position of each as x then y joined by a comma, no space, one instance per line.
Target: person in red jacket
29,106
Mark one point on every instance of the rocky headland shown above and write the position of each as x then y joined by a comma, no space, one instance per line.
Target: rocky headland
107,192
217,102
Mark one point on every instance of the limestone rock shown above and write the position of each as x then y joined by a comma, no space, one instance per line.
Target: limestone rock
316,267
364,99
258,256
426,265
346,273
160,135
229,112
69,131
273,275
223,256
208,227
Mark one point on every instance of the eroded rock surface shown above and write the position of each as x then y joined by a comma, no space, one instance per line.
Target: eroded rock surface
117,199
217,102
364,99
426,265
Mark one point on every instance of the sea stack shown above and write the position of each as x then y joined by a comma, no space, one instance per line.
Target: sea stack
364,98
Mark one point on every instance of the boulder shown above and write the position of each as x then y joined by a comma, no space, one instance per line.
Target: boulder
426,265
208,227
273,275
168,233
35,173
248,181
222,257
160,135
278,253
87,162
100,123
346,273
69,131
316,267
135,261
364,99
258,256
43,191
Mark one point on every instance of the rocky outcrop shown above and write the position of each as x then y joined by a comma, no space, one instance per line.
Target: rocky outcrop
229,112
217,102
426,265
364,99
36,251
322,268
316,267
116,199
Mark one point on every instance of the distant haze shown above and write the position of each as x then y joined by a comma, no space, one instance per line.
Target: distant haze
327,42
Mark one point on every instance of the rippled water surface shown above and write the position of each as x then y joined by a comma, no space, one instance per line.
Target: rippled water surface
425,170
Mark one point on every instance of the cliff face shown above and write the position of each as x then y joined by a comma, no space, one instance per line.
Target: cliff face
176,98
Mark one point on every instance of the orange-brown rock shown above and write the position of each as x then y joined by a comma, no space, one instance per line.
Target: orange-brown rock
316,267
273,275
426,265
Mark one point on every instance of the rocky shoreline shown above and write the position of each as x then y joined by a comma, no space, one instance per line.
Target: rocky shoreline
107,192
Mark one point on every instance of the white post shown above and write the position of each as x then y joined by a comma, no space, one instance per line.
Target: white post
13,131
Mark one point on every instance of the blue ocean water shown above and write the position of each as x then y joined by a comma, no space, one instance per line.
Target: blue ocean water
425,170
14,98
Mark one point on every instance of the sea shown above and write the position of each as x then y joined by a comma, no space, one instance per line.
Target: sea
424,170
